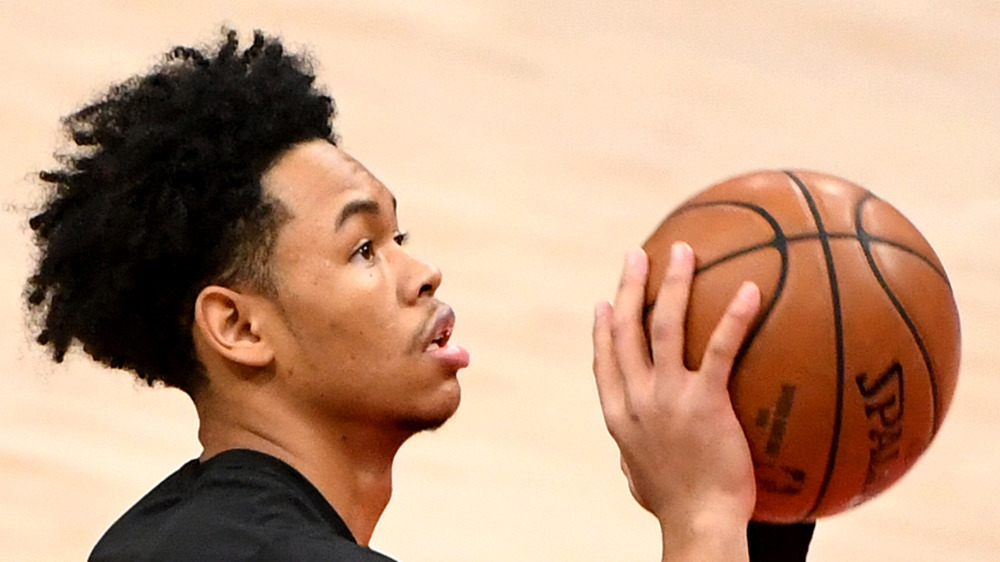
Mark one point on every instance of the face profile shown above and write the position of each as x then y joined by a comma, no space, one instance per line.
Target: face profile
356,328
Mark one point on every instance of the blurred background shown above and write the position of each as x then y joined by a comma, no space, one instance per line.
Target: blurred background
530,143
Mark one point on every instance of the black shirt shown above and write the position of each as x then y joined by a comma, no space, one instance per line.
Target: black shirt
244,505
240,505
779,543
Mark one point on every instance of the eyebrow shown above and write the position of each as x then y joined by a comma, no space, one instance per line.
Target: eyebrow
359,206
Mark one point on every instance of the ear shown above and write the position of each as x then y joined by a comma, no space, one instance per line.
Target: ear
229,323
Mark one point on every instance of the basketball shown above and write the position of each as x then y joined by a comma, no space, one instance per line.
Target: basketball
849,368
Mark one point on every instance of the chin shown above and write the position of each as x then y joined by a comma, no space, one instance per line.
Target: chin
418,425
431,420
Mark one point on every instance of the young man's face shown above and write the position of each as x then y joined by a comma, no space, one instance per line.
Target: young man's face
359,335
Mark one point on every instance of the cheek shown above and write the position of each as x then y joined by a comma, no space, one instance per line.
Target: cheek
352,329
336,309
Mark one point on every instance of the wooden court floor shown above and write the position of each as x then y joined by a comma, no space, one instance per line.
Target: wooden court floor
530,143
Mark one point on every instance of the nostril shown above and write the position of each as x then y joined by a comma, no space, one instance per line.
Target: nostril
427,289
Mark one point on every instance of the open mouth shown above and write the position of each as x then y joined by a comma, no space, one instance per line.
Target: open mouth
440,341
438,344
440,333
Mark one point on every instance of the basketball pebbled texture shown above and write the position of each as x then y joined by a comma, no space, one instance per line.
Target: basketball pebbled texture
849,369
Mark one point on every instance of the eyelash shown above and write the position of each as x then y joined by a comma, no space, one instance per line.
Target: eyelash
364,250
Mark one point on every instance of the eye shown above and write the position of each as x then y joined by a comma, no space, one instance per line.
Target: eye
401,237
365,250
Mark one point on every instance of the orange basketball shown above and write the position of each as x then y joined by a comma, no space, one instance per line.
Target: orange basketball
848,371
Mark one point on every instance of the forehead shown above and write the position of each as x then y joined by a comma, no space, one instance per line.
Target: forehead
315,175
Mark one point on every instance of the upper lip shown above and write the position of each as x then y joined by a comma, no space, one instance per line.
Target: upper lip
441,327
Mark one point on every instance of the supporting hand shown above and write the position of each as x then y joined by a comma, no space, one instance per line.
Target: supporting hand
683,451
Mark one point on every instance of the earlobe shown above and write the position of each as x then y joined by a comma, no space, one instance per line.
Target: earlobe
229,323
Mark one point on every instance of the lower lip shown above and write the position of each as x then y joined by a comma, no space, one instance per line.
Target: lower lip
452,356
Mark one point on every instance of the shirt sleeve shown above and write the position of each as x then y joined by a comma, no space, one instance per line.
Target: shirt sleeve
779,543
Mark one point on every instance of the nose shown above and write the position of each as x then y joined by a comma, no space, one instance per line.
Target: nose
421,280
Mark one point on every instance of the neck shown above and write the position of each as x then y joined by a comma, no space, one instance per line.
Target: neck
350,464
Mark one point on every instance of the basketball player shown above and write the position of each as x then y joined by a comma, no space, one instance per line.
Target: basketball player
208,234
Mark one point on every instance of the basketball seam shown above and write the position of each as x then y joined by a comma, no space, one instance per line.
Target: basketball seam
930,263
779,242
876,239
865,240
839,338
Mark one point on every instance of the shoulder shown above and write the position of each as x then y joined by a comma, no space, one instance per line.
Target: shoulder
239,505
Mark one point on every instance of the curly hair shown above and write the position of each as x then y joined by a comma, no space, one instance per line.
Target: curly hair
161,196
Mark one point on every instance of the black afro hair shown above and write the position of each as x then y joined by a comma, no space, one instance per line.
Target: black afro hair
160,196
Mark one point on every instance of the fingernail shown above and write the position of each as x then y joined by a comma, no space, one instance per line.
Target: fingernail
599,309
632,258
748,291
678,250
